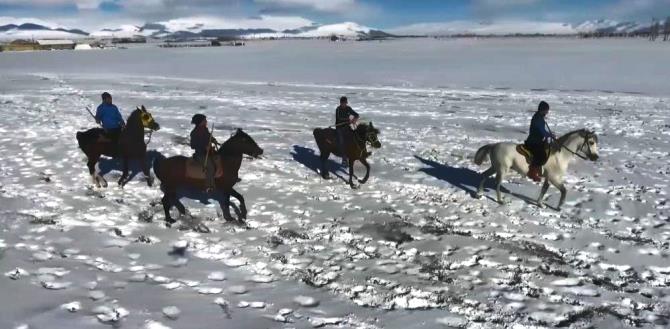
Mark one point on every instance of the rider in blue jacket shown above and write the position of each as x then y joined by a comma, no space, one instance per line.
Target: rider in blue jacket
109,116
538,141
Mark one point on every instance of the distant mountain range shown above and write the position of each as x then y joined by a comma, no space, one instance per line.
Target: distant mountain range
192,28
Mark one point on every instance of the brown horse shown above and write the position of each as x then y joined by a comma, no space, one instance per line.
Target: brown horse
172,174
130,146
355,148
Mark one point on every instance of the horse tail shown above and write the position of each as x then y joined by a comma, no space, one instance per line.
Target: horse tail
481,154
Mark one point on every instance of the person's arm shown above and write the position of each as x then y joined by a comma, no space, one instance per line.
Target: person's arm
541,126
352,112
98,114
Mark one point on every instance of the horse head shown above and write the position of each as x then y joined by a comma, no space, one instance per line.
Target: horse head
241,143
590,145
370,135
146,119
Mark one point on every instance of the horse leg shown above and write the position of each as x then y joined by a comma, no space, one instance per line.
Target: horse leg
500,175
367,171
124,176
91,164
243,206
564,192
351,173
146,171
545,187
167,204
324,160
224,202
485,175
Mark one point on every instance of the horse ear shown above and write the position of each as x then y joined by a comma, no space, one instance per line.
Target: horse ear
144,108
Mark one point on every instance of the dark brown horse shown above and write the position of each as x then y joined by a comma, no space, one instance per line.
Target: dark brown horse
355,148
172,174
131,145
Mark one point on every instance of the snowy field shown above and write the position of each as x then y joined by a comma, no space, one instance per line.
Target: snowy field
410,249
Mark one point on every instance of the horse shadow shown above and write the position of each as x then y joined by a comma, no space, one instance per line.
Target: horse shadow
463,178
308,158
106,164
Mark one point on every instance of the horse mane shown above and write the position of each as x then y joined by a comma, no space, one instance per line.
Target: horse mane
582,133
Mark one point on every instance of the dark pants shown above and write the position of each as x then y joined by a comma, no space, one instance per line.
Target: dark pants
210,168
113,134
343,132
539,152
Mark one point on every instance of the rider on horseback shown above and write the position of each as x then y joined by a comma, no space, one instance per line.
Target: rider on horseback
109,116
344,117
201,140
538,141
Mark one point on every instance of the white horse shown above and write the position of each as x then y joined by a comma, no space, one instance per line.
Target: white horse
504,156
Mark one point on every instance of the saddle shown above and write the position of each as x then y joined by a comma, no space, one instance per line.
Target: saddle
523,150
195,170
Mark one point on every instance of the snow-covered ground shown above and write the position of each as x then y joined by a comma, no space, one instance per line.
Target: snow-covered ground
410,249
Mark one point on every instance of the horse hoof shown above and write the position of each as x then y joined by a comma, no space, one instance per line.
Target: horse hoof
479,196
354,187
540,205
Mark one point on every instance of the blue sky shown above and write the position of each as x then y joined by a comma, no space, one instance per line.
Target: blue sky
375,13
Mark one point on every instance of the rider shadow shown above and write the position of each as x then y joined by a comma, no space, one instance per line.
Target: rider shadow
311,160
106,165
463,178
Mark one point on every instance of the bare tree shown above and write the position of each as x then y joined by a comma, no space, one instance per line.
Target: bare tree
666,29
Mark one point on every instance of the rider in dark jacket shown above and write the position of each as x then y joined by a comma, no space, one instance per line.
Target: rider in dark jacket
344,116
538,141
200,143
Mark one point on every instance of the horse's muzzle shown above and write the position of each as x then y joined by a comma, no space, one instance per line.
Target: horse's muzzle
594,157
155,126
258,154
377,145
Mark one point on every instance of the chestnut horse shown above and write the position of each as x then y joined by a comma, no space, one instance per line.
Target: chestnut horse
172,174
130,145
355,148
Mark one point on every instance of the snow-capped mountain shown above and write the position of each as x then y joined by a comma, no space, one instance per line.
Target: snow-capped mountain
32,28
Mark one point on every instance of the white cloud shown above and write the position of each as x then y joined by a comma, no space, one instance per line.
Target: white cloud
81,4
497,28
331,6
199,23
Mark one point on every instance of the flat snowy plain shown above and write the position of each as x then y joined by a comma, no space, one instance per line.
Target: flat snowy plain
410,249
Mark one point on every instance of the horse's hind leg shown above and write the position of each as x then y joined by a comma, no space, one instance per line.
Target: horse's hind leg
224,202
543,191
93,171
351,173
167,204
500,175
485,175
367,171
324,160
243,206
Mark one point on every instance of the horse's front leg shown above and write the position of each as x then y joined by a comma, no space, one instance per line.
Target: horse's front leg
224,202
351,174
167,204
124,176
499,179
564,193
367,171
243,206
543,191
146,171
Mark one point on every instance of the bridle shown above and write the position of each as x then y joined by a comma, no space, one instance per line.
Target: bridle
588,153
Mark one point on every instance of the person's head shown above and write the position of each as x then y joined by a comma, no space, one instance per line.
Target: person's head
106,98
199,120
344,101
543,108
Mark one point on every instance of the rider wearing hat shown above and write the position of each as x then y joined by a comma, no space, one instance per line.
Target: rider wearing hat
344,116
538,141
109,116
200,143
